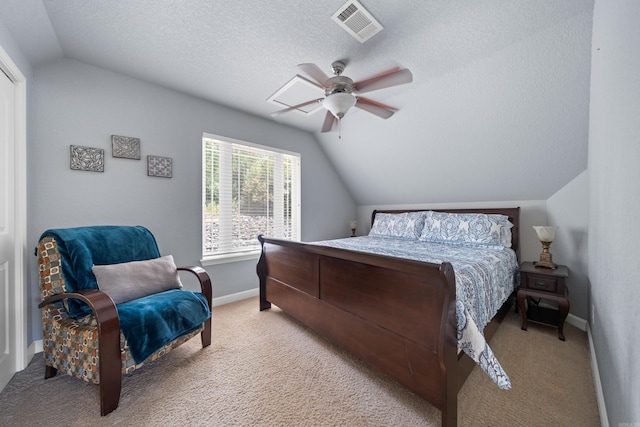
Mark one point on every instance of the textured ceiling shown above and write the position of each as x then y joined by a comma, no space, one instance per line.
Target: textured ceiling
498,85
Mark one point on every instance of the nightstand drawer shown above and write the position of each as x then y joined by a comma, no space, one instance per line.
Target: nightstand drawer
544,284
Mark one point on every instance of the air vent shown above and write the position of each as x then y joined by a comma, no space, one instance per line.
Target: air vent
357,21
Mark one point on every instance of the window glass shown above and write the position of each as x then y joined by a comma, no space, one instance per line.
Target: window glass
247,190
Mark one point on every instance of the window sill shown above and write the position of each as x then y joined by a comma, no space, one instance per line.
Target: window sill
226,258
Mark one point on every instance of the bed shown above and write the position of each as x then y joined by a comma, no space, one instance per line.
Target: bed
394,311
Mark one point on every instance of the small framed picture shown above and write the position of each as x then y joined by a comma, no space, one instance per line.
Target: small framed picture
87,158
125,147
159,166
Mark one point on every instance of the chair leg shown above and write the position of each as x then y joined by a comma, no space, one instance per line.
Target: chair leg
110,367
206,333
49,371
110,393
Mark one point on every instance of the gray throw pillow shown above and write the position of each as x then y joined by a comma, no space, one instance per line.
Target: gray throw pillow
132,280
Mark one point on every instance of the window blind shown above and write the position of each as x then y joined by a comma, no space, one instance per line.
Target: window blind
248,190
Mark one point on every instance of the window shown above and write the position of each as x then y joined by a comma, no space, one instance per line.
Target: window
248,190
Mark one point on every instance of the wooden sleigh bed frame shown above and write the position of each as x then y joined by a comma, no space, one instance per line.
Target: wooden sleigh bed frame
396,315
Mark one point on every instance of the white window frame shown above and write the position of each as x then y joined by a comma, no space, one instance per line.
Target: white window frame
225,257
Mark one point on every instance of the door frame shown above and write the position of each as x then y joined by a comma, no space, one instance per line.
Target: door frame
22,310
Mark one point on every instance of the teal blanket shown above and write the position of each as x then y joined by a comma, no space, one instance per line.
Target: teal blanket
151,322
147,323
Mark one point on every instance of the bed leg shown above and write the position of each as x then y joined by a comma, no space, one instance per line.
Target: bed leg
264,304
450,413
261,269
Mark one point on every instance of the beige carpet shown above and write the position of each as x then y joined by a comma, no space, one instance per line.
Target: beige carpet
264,369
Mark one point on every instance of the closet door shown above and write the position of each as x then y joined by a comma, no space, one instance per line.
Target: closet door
8,285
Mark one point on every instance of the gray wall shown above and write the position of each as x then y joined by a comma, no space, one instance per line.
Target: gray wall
614,203
9,45
493,104
569,210
79,104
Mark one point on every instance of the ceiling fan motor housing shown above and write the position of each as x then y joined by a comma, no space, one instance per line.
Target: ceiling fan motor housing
338,67
339,84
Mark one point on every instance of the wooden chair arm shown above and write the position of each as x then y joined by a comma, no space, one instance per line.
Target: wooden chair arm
110,364
205,285
203,278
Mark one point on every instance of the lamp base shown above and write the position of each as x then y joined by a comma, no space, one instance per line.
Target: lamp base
545,260
551,265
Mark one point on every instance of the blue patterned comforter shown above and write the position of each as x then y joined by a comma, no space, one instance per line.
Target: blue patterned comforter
485,277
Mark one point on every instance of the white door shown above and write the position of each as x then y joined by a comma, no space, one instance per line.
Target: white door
8,276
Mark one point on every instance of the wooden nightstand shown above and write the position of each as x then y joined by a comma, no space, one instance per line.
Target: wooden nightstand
538,284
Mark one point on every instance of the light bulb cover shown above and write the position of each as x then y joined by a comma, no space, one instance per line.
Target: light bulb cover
339,103
545,233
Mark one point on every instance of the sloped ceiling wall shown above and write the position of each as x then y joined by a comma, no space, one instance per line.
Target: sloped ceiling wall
510,123
498,109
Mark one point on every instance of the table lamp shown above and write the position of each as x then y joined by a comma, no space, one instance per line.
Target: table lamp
546,235
353,224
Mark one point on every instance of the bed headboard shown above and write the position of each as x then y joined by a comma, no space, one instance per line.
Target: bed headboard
512,213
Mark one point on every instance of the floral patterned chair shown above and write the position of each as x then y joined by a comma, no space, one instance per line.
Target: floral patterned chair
111,304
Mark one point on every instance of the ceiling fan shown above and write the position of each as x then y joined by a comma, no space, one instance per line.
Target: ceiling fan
342,93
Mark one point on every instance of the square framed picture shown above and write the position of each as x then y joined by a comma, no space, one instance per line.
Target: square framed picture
159,166
125,147
87,158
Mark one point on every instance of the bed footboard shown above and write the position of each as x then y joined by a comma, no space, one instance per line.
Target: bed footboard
396,315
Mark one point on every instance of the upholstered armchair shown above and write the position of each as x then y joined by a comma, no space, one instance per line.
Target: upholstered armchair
111,303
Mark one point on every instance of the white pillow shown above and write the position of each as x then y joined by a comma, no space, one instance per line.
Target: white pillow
505,234
132,280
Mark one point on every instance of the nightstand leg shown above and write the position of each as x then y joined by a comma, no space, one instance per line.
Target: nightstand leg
521,299
563,307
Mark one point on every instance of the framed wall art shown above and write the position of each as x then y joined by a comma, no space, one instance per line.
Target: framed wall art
125,147
87,158
159,166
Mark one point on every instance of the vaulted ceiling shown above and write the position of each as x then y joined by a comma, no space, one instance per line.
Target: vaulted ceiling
498,108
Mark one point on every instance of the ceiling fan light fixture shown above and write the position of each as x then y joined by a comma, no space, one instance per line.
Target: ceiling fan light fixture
339,103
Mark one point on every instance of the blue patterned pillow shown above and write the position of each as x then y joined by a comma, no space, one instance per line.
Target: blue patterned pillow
467,229
406,225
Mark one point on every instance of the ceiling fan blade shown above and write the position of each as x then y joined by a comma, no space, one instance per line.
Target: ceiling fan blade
370,101
374,107
329,120
392,77
313,71
295,107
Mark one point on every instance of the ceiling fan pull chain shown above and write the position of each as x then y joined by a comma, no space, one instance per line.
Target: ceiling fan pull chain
339,132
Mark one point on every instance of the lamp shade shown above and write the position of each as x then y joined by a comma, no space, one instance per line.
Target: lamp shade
545,233
339,103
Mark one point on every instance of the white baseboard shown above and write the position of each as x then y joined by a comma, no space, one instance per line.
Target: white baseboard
604,420
235,297
584,326
35,347
578,322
